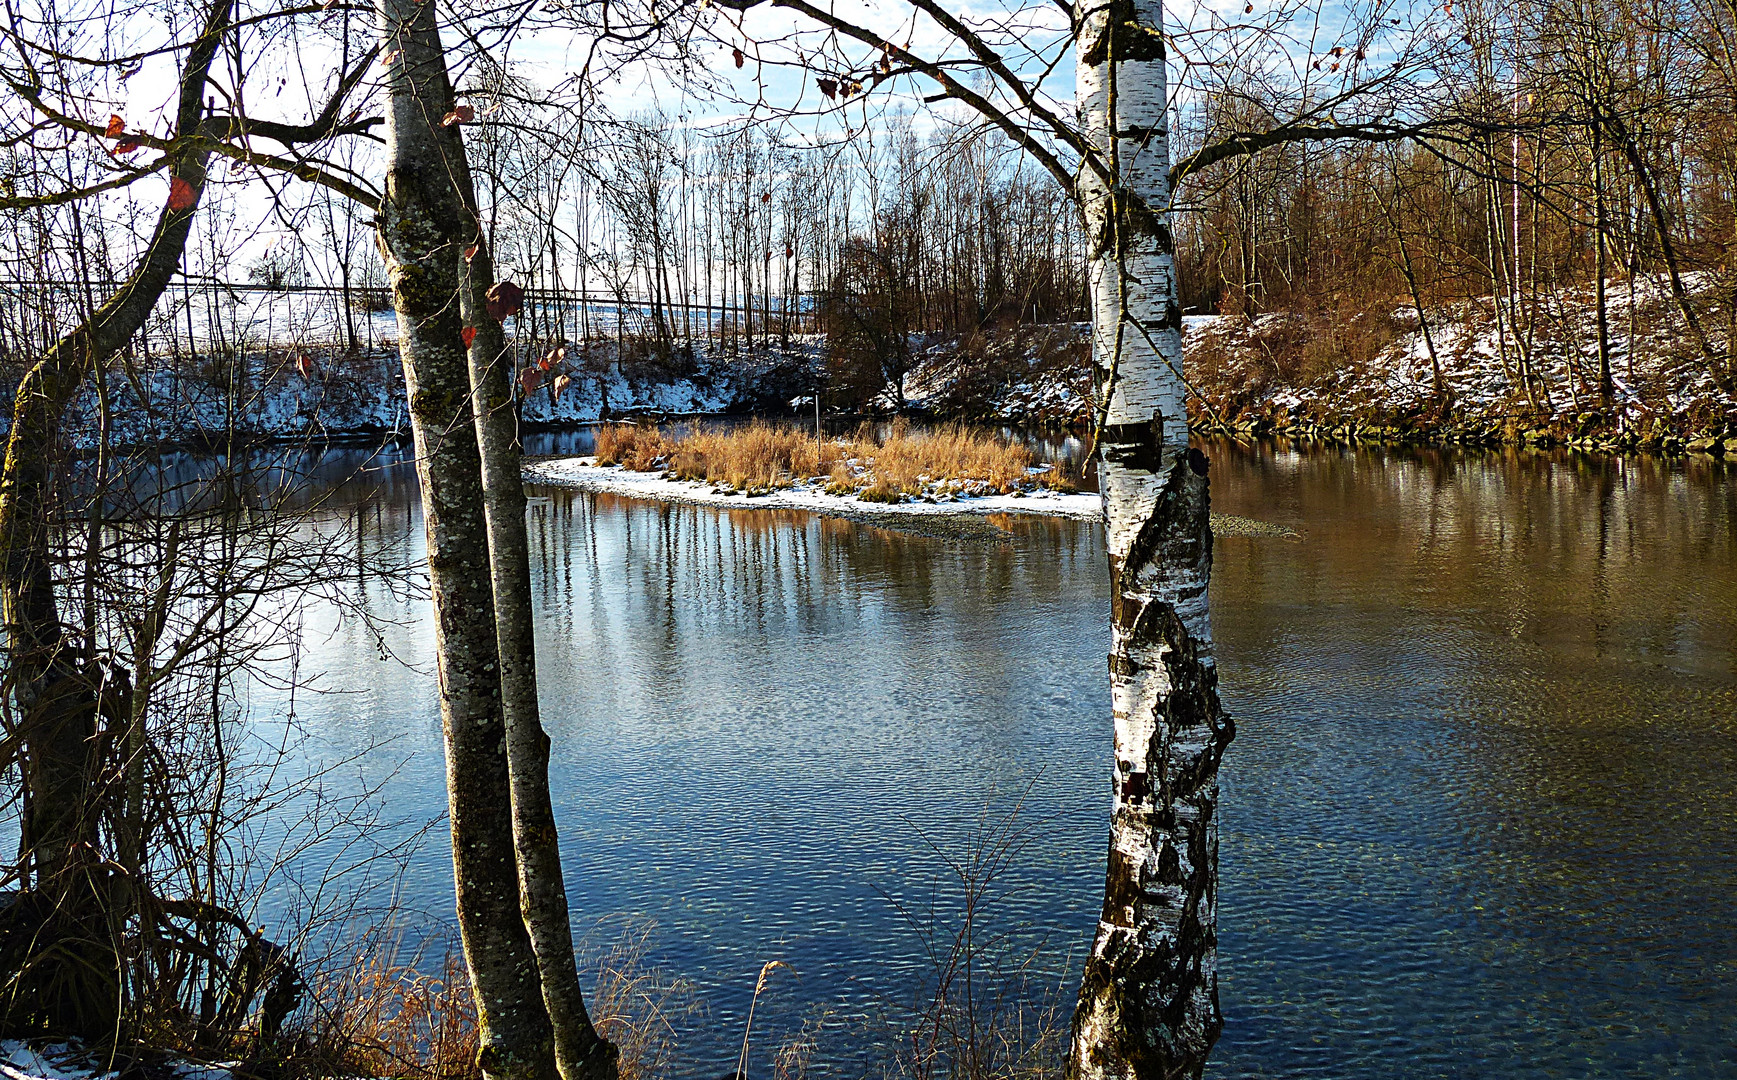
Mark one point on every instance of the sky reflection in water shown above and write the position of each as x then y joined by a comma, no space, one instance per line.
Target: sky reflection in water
1478,820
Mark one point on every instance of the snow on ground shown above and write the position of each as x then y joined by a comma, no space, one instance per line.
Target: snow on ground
53,1061
1658,369
63,1061
1029,375
584,474
269,378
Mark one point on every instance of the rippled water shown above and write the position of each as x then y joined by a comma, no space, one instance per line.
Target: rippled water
1478,819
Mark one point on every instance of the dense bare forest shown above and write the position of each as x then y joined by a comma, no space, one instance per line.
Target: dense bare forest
1548,188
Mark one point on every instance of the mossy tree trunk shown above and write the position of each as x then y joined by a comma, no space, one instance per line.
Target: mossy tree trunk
424,227
1148,1004
579,1052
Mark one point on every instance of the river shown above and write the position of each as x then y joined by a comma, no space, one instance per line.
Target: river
1478,820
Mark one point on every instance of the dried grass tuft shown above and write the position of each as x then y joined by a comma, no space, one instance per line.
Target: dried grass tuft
381,1018
759,457
640,448
377,1017
905,463
638,1006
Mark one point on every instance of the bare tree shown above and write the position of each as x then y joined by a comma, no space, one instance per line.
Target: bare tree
424,228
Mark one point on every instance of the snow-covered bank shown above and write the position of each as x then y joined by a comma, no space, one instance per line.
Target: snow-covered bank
312,394
1363,375
1371,375
584,474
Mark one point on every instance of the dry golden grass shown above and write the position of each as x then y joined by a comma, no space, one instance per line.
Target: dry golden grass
758,457
377,1017
380,1018
637,447
907,462
951,458
638,1007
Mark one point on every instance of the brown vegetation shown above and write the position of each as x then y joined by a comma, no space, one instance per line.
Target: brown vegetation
950,459
378,1017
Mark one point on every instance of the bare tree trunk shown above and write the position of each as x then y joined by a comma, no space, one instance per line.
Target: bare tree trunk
60,698
1601,226
57,699
580,1053
1661,223
1148,1004
423,228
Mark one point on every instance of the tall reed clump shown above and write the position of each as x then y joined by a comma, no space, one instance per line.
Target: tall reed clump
758,457
910,462
378,1017
633,446
638,1006
906,462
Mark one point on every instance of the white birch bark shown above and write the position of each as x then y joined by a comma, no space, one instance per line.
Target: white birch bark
1148,1003
422,233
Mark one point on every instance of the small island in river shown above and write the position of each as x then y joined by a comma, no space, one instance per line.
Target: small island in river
909,475
944,470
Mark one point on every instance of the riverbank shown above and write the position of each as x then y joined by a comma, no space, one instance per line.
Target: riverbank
1332,375
1370,375
323,395
946,517
1462,374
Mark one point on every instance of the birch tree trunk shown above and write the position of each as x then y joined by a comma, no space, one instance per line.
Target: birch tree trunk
580,1053
422,233
1148,1004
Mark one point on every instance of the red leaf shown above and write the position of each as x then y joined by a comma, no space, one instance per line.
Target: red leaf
503,300
766,196
546,363
391,58
789,252
467,335
463,114
530,379
125,146
116,126
305,365
181,194
740,59
828,87
470,253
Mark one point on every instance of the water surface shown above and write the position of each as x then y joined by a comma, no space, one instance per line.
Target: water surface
1478,820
